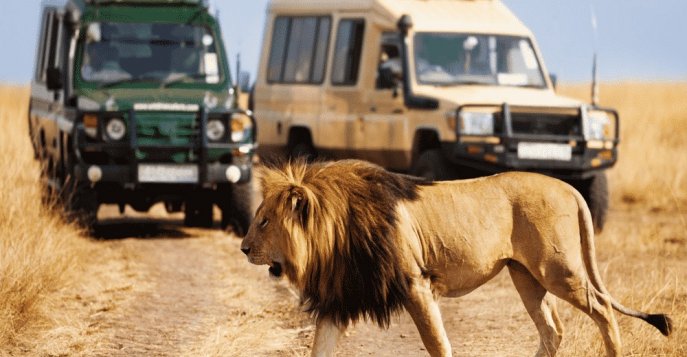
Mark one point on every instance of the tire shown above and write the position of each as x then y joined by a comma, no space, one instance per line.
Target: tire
81,202
595,192
433,166
79,197
237,208
302,150
198,211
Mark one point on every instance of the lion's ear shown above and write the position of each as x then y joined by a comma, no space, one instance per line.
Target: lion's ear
298,200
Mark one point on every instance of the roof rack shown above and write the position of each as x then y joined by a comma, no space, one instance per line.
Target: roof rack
203,3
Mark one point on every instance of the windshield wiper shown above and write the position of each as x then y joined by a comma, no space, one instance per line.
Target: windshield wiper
183,78
460,83
476,83
536,86
129,80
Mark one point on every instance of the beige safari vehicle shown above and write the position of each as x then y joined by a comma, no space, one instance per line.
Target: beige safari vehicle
436,88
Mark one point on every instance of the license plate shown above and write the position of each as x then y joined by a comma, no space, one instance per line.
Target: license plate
544,151
168,173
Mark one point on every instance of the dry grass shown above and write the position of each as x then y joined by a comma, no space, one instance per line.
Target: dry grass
37,250
643,250
652,169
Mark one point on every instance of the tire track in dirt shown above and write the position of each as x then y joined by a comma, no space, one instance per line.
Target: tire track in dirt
176,303
156,288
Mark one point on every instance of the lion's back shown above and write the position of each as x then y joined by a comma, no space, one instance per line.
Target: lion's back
494,203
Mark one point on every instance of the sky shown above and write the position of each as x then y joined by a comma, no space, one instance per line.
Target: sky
636,39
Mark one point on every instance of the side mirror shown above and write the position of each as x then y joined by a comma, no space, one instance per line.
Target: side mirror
54,78
554,81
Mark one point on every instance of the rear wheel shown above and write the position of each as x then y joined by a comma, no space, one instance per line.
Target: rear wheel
432,165
595,192
198,211
237,208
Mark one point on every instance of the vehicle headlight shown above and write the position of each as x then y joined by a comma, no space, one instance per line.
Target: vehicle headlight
215,129
599,126
476,123
241,126
115,129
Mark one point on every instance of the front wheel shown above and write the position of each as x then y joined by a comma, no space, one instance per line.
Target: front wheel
81,201
237,208
432,165
302,150
595,192
198,211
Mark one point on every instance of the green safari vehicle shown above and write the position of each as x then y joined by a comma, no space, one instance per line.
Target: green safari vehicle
132,103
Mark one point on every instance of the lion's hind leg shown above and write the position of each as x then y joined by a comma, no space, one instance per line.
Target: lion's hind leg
573,285
540,306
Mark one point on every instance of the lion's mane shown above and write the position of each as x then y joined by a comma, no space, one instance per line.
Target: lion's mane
350,267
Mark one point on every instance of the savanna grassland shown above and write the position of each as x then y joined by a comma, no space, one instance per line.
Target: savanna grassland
652,170
39,252
149,286
644,248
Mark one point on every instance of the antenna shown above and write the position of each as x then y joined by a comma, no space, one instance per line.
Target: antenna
238,72
595,76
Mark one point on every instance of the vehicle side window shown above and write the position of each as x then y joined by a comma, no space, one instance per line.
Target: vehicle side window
389,68
299,49
47,43
54,44
349,45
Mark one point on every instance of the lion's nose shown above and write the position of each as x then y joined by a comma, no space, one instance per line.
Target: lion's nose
245,251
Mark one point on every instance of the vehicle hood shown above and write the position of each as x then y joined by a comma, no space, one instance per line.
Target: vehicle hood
123,99
451,97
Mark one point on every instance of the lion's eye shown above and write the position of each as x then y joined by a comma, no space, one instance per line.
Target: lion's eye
264,223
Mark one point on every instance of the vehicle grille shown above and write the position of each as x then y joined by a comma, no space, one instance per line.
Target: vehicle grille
546,124
161,137
166,129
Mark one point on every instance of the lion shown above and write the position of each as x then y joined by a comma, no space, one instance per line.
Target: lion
359,242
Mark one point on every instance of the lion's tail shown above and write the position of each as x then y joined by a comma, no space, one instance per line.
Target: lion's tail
661,321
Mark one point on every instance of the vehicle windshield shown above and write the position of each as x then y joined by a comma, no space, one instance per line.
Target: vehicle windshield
168,53
454,59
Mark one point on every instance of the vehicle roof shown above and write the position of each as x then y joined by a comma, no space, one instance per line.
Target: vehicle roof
473,16
82,4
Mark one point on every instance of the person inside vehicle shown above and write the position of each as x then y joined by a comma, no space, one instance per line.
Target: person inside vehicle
102,63
390,70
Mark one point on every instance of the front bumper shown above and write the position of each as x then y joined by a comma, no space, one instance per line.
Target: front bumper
208,175
500,152
120,163
488,159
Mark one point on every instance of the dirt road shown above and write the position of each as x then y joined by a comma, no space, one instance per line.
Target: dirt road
163,289
156,288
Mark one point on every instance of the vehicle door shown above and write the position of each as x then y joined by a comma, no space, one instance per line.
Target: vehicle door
386,136
341,129
47,112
